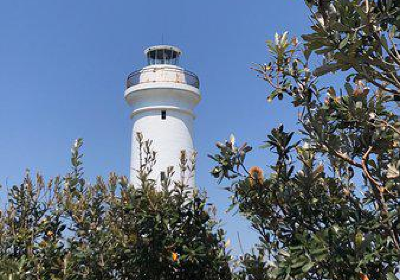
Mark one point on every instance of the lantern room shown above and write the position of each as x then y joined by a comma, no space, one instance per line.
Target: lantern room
163,54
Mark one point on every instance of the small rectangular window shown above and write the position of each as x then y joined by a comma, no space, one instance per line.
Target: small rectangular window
163,115
162,176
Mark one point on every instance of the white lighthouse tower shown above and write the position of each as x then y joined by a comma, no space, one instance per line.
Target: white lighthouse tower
162,96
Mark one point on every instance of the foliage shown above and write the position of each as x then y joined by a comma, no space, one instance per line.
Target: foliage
70,229
330,207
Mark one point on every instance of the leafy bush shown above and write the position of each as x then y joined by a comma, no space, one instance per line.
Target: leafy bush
329,209
69,229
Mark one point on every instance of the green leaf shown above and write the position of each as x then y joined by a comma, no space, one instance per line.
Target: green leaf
391,276
307,267
283,253
393,170
384,42
348,88
325,69
344,43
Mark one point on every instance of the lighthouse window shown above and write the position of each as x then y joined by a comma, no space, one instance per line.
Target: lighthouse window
163,115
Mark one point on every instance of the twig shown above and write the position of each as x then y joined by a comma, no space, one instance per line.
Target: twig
378,189
240,243
364,164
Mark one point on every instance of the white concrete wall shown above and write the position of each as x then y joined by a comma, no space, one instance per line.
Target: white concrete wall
170,137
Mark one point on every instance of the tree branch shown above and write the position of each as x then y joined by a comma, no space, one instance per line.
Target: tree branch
364,165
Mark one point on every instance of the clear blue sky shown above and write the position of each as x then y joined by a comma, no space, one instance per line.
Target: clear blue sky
63,66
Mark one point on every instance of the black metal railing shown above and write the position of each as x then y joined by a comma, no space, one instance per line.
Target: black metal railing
150,76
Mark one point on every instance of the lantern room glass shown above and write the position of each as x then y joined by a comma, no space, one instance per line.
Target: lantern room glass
163,56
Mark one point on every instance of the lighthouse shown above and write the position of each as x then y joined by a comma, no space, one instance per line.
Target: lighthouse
162,97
